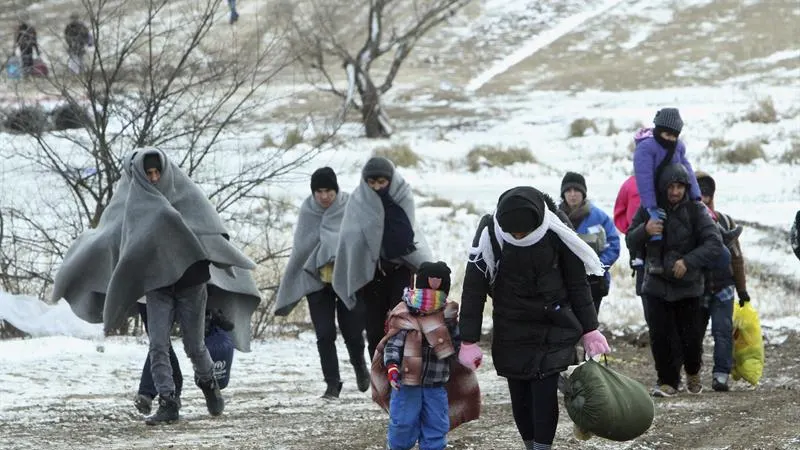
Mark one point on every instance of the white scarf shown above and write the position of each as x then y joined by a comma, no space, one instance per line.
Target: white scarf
550,221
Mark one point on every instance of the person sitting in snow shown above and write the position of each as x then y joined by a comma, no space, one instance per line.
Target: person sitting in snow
416,355
160,237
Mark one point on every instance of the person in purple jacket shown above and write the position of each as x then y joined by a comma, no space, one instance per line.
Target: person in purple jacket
655,149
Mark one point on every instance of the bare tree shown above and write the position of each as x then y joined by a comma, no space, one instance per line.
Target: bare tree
322,34
157,75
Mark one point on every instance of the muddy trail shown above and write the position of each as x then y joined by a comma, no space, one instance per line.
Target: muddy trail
284,411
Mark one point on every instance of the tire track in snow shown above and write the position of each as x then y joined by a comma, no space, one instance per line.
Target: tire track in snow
539,42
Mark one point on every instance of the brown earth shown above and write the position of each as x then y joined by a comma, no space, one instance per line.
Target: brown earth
289,415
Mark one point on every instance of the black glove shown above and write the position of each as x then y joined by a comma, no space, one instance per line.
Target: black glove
743,298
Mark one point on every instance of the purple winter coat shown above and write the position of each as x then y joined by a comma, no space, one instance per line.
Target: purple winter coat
646,158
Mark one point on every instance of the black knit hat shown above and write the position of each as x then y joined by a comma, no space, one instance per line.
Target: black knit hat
152,161
670,119
377,167
324,178
575,181
433,275
707,184
520,211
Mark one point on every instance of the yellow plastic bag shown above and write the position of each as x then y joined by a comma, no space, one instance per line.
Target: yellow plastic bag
748,346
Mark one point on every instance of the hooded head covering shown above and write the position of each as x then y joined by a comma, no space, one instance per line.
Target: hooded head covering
324,178
520,210
377,167
707,184
673,173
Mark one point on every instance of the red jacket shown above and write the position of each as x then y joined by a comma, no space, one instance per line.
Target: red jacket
626,205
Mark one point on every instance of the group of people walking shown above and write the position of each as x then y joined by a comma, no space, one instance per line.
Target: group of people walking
363,262
76,36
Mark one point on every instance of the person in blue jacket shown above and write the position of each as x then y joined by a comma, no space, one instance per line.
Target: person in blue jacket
594,226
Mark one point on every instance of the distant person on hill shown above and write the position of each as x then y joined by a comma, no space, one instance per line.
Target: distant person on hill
655,149
78,38
27,42
795,235
234,14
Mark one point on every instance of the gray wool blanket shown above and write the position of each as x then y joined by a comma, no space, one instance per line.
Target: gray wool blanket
361,234
145,240
315,238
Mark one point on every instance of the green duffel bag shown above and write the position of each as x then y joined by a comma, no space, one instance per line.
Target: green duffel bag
607,403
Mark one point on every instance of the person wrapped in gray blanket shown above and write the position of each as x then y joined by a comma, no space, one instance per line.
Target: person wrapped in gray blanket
158,237
379,246
309,273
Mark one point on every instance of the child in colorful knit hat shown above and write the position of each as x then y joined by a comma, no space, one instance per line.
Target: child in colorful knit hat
419,346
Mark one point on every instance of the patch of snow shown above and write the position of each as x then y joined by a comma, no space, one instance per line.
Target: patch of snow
539,42
38,318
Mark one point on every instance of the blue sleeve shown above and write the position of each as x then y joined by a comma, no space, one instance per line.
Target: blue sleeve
644,170
611,253
694,188
393,351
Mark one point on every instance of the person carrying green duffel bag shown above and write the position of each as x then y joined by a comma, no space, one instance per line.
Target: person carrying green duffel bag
606,403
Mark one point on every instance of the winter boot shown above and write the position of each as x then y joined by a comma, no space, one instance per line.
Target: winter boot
143,403
719,382
655,265
729,236
167,411
333,390
214,401
362,376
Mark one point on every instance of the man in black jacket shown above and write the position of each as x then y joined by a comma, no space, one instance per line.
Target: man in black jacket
78,38
534,267
692,244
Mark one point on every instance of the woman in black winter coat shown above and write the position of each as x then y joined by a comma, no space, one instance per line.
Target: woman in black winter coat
534,267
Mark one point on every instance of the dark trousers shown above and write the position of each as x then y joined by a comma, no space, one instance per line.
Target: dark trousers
666,319
27,60
324,307
534,404
380,295
146,385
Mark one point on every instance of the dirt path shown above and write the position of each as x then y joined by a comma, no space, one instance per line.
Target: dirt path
286,414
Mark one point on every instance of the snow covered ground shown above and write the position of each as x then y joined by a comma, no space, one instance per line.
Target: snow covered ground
507,47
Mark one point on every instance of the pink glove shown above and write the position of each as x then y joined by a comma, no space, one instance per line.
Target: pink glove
470,355
595,344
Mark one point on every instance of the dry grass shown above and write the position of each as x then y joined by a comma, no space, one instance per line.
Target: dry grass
578,127
400,154
763,112
496,156
612,129
791,156
743,153
293,137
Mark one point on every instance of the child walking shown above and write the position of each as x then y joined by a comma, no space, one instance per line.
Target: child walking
417,353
